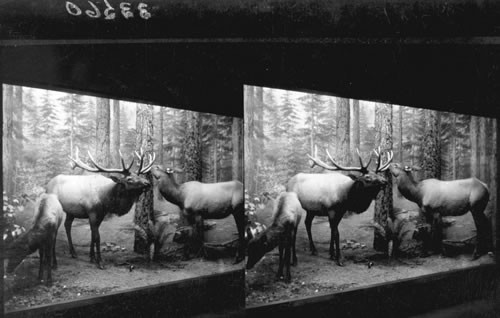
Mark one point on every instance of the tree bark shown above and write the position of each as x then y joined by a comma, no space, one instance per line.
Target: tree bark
474,153
115,134
383,202
237,137
431,147
18,133
102,154
216,145
343,139
494,178
483,144
144,206
8,141
401,153
249,140
454,146
160,141
355,129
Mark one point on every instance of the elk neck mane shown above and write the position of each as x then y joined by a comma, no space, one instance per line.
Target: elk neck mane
171,190
409,188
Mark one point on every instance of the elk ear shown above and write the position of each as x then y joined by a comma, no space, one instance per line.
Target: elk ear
408,168
352,176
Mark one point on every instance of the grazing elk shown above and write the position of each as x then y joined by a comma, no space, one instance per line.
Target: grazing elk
332,194
438,198
282,232
42,237
200,201
94,196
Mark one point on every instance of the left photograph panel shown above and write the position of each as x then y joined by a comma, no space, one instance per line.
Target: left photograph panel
104,195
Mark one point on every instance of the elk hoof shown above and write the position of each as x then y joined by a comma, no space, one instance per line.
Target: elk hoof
100,266
314,252
294,262
288,279
340,263
73,255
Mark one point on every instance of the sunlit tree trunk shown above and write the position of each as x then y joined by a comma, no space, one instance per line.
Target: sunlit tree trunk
343,139
115,134
474,153
431,147
8,140
237,137
383,202
249,140
102,154
144,207
355,129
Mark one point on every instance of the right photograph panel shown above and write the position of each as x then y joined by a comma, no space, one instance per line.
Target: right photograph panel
343,193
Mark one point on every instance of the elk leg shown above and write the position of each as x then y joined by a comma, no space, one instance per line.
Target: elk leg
67,226
335,237
483,230
48,259
54,260
308,223
239,218
437,237
294,239
288,256
40,269
95,241
280,266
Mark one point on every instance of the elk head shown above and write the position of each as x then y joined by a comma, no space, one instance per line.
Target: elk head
399,171
127,179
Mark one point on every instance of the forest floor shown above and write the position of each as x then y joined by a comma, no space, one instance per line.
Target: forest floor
316,275
78,278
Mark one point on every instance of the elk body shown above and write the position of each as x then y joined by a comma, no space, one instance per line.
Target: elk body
438,198
94,196
42,237
199,201
282,233
333,194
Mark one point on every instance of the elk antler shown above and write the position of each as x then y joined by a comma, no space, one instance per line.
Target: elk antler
140,156
97,168
316,161
385,166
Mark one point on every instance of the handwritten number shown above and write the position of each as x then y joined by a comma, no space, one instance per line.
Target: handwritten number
73,8
109,11
93,14
107,14
125,7
143,12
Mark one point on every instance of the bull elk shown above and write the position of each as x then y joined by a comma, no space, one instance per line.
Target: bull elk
282,233
93,196
42,237
438,198
199,201
332,194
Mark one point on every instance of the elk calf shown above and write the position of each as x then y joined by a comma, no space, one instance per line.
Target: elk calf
282,233
41,237
438,198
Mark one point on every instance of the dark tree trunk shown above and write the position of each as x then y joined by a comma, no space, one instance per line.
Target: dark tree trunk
160,141
474,149
343,139
115,134
355,129
483,144
494,178
259,129
431,147
383,202
18,132
216,146
102,153
454,146
249,140
401,153
144,207
8,141
237,137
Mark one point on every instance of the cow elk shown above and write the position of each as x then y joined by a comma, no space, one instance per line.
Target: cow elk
94,196
438,198
199,201
42,237
333,194
282,233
